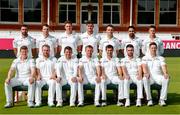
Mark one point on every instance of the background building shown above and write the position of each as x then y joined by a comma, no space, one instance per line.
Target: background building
164,14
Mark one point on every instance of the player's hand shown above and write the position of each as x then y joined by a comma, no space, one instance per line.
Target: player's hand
74,79
58,80
103,77
38,78
7,81
54,78
121,78
166,76
147,75
98,79
80,79
127,77
31,80
139,78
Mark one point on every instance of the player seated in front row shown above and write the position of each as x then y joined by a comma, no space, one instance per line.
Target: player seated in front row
111,73
132,72
67,70
45,75
89,72
25,75
155,71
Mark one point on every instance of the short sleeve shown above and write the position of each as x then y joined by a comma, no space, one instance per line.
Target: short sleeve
55,42
101,45
138,61
80,62
118,63
96,61
14,64
79,41
37,62
123,62
32,63
37,43
15,43
58,67
162,61
102,62
144,60
33,43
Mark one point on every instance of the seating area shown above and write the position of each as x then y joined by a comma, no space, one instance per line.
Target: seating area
90,87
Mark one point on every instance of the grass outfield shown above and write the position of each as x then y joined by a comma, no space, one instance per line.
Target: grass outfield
172,108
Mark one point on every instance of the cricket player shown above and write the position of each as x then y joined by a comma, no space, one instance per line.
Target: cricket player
46,38
24,40
111,73
132,39
155,71
152,38
132,72
68,67
89,38
89,72
45,75
24,68
68,38
109,39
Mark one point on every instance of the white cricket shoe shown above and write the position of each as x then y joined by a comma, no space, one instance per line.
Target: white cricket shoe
150,103
138,103
127,103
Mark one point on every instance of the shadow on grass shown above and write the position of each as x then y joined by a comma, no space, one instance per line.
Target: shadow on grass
173,99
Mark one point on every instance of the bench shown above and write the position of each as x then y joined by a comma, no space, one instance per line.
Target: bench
89,87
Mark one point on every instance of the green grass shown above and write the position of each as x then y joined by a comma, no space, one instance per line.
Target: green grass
172,108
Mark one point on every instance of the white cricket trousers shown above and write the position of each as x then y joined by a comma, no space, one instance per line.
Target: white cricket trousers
114,80
159,79
73,90
59,90
51,91
17,82
91,80
139,84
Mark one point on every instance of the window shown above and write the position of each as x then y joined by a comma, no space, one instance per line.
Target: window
8,10
111,9
67,11
146,11
32,10
168,11
93,15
